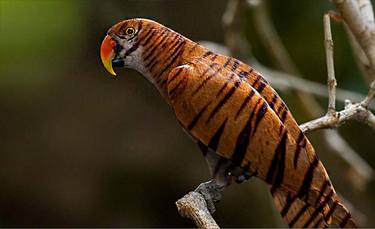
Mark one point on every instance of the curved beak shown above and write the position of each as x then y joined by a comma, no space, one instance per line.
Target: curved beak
107,53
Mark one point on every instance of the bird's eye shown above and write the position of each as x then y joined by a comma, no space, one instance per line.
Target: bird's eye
129,31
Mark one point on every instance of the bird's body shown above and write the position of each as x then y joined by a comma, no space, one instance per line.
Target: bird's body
241,124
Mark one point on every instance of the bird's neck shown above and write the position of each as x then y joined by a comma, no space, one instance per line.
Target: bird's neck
164,52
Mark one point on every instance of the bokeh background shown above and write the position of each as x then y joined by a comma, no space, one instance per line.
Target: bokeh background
79,148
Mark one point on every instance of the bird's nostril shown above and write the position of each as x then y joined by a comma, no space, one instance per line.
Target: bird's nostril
118,63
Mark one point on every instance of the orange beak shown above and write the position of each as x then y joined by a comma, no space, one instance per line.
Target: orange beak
107,53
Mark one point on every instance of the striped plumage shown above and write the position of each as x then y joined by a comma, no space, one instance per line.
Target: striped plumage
240,123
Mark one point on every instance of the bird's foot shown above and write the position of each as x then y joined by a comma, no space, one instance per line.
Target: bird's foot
211,192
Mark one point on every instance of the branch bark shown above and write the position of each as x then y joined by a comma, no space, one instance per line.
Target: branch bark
194,207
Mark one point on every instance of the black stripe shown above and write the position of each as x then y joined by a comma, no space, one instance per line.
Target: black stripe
225,85
299,148
197,117
172,42
206,54
122,26
345,220
245,102
236,63
171,91
132,49
213,58
161,38
148,36
215,140
289,202
176,38
318,210
260,87
177,42
305,187
281,107
223,100
256,80
243,74
299,214
273,102
321,191
275,174
331,210
207,79
260,114
175,75
283,116
228,61
243,141
282,119
175,55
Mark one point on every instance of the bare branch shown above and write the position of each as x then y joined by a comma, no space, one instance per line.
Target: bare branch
193,206
352,111
328,43
359,16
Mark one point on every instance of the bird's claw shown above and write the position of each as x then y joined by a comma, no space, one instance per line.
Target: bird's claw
211,193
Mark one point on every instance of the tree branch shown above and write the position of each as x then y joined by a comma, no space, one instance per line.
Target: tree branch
328,43
359,16
193,206
352,111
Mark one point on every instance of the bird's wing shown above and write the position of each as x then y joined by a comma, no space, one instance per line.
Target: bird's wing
225,113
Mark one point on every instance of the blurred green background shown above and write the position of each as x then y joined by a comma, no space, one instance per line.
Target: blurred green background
79,148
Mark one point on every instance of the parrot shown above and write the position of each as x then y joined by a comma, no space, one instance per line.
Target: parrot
239,122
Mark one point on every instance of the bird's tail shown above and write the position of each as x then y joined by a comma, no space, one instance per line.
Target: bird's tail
300,213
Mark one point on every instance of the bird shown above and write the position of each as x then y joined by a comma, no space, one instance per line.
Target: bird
240,123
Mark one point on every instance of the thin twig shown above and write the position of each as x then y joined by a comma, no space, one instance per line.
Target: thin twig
328,43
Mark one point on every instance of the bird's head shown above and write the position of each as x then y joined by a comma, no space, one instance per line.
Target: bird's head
121,46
